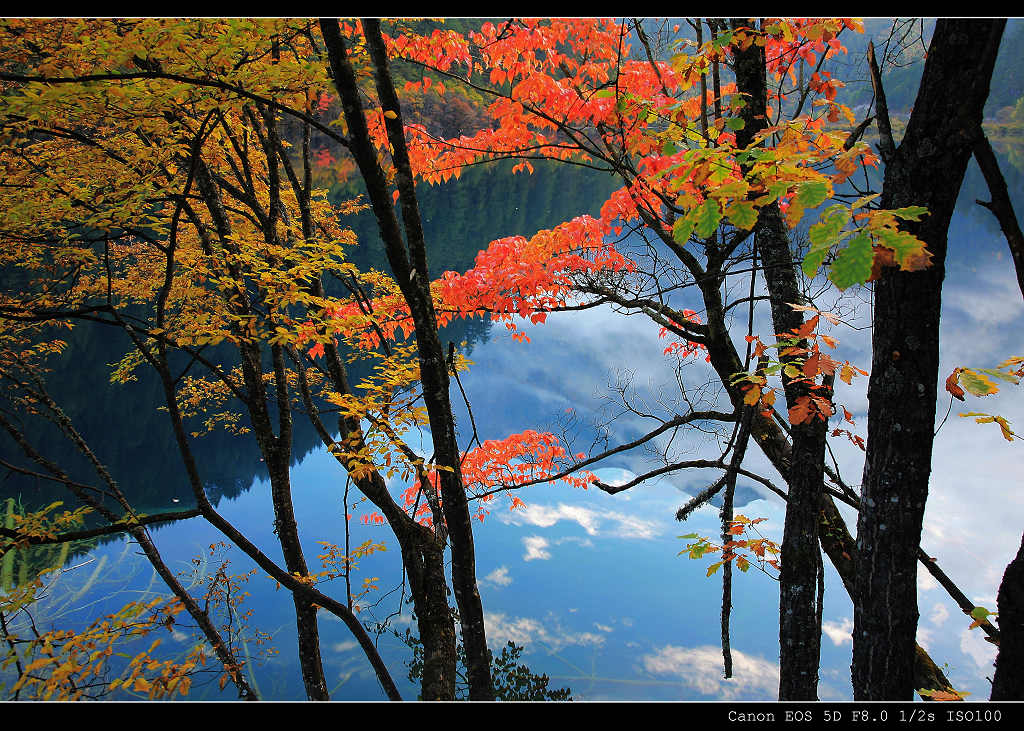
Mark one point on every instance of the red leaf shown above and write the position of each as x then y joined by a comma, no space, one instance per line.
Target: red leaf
953,385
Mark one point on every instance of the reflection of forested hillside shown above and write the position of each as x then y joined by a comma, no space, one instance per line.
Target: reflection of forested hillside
487,203
128,431
902,75
901,83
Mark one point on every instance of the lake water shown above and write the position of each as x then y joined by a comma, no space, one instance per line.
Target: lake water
592,585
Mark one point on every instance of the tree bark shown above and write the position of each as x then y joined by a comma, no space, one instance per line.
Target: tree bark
1008,682
926,169
1001,205
276,448
800,628
409,265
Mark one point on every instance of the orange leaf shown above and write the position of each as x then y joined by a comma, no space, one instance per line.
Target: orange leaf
800,412
808,327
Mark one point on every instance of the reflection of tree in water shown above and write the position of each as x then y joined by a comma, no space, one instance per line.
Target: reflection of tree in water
18,565
80,589
132,435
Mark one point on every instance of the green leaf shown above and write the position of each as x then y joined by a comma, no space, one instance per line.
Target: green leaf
742,214
826,231
708,214
775,191
1000,374
813,260
861,202
723,40
910,213
824,235
977,383
853,263
910,252
734,123
682,228
736,189
812,194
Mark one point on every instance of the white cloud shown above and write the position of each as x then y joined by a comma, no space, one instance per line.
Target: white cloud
401,619
344,646
544,516
498,577
603,627
939,614
924,637
535,546
629,526
1000,305
839,632
925,581
582,542
974,646
528,632
594,522
615,476
701,669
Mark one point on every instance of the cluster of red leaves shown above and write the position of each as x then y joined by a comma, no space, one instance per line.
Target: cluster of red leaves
802,360
550,73
805,39
518,459
555,74
684,350
516,276
498,465
513,277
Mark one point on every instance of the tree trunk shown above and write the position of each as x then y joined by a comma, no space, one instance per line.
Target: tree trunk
800,628
1008,682
276,449
409,266
927,170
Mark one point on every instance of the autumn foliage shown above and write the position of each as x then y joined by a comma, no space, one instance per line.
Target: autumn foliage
182,166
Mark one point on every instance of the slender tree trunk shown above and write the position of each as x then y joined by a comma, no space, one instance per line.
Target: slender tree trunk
926,169
276,449
434,376
800,629
1001,205
409,265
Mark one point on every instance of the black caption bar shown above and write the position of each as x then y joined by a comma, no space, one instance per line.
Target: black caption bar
866,714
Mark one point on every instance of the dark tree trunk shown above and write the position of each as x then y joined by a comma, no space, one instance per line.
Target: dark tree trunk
800,628
1008,682
1001,205
409,265
276,449
927,170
